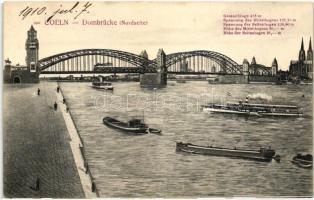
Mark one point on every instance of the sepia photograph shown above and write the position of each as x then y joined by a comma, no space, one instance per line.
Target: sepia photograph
176,99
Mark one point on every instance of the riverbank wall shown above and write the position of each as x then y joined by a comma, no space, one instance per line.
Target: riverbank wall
78,150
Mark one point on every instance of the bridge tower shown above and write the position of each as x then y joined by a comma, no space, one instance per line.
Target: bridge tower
32,47
245,70
30,72
159,78
274,67
144,55
161,66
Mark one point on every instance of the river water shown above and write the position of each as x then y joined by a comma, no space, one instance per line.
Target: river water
148,166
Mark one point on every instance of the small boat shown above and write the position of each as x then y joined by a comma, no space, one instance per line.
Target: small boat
263,154
102,85
135,126
304,161
153,130
250,109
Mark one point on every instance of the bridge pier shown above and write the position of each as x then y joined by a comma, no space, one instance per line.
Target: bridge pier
236,78
246,71
158,79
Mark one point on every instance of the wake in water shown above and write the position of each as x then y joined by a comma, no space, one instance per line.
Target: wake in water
260,96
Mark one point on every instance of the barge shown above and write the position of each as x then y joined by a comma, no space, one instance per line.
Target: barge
135,126
263,154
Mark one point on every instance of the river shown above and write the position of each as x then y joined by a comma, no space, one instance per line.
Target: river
149,166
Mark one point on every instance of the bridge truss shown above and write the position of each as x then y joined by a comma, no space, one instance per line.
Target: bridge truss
88,60
202,61
115,61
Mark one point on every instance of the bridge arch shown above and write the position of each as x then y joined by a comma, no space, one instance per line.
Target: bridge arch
258,69
134,59
139,64
17,80
226,63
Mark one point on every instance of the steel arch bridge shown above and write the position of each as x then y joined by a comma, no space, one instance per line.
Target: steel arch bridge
133,59
116,61
227,64
258,69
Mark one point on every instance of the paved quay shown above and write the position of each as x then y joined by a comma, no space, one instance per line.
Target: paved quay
76,146
37,145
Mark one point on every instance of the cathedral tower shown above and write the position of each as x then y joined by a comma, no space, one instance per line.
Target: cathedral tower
310,52
302,52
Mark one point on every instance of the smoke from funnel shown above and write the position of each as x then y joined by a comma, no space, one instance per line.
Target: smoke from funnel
260,96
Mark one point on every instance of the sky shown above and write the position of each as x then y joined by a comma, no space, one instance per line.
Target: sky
173,26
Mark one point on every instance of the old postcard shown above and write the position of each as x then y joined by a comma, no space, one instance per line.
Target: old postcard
157,99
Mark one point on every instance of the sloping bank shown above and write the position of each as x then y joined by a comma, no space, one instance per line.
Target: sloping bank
77,147
36,145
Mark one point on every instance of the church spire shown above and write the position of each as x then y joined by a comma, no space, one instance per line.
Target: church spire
310,51
302,52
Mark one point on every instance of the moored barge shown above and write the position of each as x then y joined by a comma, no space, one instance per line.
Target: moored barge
263,154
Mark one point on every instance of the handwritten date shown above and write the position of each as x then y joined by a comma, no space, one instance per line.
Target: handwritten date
77,9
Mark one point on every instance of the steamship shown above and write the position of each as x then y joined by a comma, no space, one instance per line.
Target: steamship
250,109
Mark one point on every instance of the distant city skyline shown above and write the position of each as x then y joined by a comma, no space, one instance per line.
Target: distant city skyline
175,27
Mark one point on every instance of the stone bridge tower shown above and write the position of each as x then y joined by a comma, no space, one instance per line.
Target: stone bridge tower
274,67
144,55
161,66
159,78
30,72
246,71
32,47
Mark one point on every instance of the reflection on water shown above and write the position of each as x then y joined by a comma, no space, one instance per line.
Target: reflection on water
148,165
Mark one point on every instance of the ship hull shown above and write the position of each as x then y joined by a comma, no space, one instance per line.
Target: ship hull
302,162
247,113
103,87
110,122
232,153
